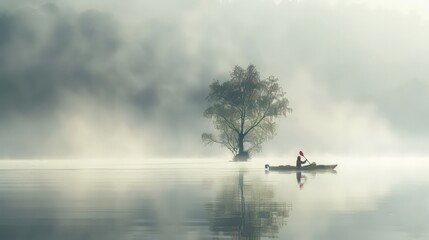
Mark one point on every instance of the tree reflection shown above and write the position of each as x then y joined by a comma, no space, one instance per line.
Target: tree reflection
247,211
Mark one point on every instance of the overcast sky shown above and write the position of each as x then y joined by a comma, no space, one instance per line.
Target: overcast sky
107,78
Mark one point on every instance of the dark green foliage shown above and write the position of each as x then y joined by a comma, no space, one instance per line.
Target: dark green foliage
244,110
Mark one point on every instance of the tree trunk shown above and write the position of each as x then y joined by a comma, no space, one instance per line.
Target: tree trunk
242,155
240,144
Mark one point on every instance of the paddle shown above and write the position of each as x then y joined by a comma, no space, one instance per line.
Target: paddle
302,155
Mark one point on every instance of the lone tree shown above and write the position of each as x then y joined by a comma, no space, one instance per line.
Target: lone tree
244,110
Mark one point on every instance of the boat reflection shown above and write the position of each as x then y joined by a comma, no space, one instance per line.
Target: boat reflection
247,211
302,176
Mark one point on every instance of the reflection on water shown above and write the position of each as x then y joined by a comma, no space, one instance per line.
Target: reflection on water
209,200
247,211
301,177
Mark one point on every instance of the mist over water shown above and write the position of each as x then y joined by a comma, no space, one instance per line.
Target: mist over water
108,79
101,115
206,199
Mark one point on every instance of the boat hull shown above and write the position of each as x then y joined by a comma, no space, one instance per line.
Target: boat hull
303,168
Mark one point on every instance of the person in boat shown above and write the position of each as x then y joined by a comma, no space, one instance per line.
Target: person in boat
299,162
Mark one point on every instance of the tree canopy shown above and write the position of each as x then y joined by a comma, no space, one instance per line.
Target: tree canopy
244,110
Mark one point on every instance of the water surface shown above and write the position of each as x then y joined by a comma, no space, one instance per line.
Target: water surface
210,199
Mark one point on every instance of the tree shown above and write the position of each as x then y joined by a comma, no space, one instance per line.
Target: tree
244,110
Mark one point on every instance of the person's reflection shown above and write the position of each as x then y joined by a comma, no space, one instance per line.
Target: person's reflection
300,179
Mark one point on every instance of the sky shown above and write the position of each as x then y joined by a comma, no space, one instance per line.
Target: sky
116,79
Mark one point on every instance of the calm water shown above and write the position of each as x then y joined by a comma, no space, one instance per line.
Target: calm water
211,199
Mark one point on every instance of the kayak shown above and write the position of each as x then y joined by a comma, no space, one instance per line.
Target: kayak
311,167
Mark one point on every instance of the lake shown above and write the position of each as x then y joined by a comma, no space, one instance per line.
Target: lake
213,199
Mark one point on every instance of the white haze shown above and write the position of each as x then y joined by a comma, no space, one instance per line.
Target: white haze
129,78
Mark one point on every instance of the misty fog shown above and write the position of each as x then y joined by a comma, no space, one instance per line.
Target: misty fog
129,78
